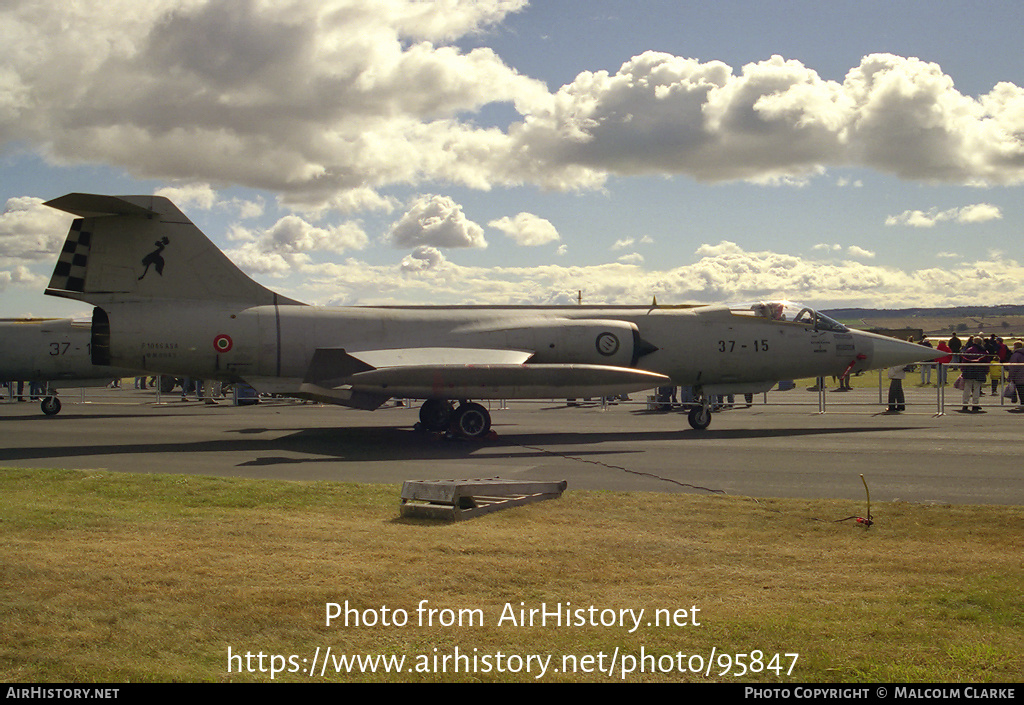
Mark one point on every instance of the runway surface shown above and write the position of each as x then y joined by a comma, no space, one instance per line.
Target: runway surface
763,451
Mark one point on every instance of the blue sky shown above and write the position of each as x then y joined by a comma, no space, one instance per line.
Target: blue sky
358,152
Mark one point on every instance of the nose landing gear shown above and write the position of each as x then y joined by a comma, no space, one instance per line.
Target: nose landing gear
700,416
50,405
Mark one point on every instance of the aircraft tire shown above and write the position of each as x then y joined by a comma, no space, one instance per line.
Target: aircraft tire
436,414
699,417
471,421
50,406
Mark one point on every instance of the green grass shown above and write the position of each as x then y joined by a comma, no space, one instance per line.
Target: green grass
116,578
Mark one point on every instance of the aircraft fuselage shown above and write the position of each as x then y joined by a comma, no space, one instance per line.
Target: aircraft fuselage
708,345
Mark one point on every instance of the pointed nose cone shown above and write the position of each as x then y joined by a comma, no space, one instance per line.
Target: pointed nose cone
889,352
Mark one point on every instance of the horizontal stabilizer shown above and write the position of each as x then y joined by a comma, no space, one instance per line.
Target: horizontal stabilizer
90,205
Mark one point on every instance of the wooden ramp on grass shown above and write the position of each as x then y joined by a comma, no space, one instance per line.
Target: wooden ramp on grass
453,500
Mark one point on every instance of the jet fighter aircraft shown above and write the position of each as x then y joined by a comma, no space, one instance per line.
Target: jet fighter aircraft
168,301
51,350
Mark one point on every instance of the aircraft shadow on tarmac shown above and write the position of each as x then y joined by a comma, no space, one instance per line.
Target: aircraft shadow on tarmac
388,443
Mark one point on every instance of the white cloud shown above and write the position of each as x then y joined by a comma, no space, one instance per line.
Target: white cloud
200,196
285,247
326,103
722,273
977,213
776,121
527,229
855,251
30,231
248,210
422,259
437,221
623,243
312,100
632,258
723,248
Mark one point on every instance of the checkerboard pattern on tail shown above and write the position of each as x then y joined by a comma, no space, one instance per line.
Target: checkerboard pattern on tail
69,273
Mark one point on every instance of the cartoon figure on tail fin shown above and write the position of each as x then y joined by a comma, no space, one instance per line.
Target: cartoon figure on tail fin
154,258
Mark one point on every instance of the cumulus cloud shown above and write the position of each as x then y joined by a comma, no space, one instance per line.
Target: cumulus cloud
285,247
200,196
437,221
30,231
776,121
855,251
721,273
421,259
326,103
977,213
527,229
318,101
852,250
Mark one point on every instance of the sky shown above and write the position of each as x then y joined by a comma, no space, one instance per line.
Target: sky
360,152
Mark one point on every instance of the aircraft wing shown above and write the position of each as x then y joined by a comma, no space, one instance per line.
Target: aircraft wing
370,377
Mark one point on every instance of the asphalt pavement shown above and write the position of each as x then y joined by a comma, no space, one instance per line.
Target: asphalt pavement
787,448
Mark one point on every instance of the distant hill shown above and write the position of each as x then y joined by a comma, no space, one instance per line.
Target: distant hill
1005,321
951,312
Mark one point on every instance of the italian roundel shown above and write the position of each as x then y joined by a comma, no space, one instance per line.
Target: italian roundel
222,343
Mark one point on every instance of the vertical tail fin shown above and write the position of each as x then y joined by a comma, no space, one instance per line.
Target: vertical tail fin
142,247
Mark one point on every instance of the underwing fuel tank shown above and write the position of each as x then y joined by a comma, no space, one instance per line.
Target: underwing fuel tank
504,381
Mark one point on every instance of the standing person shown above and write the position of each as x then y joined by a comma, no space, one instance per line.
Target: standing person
926,367
995,373
1016,373
974,370
955,346
897,402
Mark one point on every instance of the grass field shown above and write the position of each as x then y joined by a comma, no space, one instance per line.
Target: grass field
118,578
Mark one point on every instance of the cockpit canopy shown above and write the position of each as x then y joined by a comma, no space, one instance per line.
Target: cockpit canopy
789,312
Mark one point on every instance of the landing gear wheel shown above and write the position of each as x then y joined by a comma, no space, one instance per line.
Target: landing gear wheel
436,414
50,406
471,421
700,417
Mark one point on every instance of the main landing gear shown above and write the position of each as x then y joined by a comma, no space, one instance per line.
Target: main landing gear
469,420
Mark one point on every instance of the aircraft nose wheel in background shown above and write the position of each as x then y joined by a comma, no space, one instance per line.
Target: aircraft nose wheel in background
471,420
50,406
700,417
